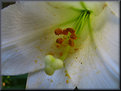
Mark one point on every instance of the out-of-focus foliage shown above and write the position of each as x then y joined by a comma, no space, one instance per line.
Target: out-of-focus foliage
14,82
5,4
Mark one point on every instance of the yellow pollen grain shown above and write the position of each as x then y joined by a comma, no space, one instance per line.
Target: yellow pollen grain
67,74
67,81
105,5
35,61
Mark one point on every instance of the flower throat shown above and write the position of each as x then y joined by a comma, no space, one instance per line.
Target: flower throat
71,34
69,39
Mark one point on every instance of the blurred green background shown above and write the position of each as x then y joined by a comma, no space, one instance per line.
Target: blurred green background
13,82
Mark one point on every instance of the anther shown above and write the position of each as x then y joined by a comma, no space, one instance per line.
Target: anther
58,31
59,41
71,42
71,30
73,36
65,32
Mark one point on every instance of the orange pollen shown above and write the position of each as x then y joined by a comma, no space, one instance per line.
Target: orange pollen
59,41
73,36
65,32
71,42
58,31
71,30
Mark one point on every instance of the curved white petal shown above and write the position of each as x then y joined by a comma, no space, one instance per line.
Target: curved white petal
88,70
26,55
114,6
40,80
28,17
95,6
84,75
107,41
98,68
27,36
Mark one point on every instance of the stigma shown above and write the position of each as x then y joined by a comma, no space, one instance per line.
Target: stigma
52,64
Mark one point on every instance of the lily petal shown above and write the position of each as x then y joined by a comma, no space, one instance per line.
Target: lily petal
27,36
92,68
87,70
114,6
40,80
95,6
107,40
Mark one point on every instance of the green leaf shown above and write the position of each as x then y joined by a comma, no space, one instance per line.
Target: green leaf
14,82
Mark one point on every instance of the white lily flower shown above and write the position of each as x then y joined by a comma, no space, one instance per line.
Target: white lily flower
29,44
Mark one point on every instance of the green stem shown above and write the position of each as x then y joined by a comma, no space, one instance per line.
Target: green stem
83,5
79,19
82,24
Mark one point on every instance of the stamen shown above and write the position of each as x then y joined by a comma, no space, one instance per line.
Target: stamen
73,36
76,31
59,41
58,31
71,30
65,32
69,40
